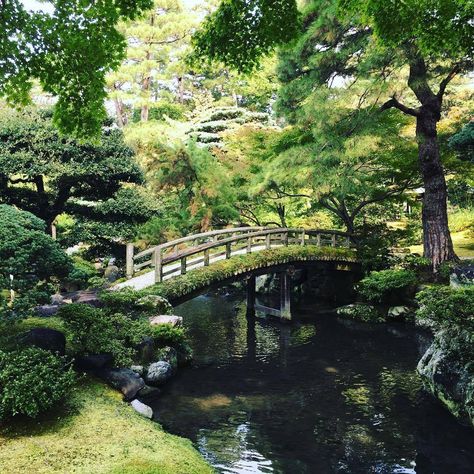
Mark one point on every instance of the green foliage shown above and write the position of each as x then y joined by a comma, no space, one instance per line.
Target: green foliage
32,381
381,286
463,142
238,33
160,110
460,193
95,331
69,51
416,263
82,272
28,254
361,312
446,307
462,219
167,335
45,173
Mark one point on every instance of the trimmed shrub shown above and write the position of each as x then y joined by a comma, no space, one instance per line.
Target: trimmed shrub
386,285
82,272
96,331
445,307
133,303
167,335
32,381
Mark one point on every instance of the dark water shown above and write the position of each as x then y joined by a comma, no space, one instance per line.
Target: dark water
319,395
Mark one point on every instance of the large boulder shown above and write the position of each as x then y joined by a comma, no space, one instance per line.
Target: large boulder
112,273
89,297
400,313
447,378
142,409
158,373
47,339
125,380
175,321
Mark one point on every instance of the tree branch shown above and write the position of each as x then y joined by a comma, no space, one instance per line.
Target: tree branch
445,82
394,103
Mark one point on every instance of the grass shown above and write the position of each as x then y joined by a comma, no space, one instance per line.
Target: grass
95,432
463,244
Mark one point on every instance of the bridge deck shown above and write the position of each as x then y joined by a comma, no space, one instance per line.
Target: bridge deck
175,258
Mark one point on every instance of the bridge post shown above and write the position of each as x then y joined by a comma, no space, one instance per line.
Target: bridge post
129,260
303,235
285,296
228,250
251,284
206,258
318,240
285,238
249,245
183,265
267,242
333,240
158,265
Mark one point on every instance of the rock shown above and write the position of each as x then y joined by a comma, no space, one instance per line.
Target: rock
448,379
463,275
146,350
46,310
175,321
155,304
170,355
57,299
47,339
94,361
360,312
125,380
142,409
138,369
148,393
88,297
158,373
112,273
399,313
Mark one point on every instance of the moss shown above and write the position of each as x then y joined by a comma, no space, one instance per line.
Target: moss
204,276
95,432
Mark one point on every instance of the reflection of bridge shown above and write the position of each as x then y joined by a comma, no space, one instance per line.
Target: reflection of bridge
168,260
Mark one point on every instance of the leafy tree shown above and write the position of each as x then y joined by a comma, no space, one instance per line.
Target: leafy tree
155,41
352,39
69,51
463,142
29,258
46,173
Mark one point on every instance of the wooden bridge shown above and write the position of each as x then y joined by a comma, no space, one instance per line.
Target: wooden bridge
164,261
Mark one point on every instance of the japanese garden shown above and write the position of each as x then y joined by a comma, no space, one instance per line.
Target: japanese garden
236,236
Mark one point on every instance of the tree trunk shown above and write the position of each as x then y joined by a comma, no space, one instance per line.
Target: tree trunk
437,243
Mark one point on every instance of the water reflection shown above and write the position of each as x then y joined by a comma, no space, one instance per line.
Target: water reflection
319,395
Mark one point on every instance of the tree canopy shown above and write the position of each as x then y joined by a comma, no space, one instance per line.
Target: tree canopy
69,51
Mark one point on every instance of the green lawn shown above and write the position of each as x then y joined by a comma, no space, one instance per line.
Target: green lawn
463,245
95,432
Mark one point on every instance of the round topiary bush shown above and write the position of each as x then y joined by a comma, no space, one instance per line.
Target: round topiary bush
32,381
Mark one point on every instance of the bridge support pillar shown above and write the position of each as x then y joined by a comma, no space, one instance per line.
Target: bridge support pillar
283,312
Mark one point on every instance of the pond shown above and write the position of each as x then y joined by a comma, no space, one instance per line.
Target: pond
318,395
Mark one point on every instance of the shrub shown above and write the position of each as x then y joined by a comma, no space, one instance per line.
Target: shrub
382,286
32,381
417,263
167,335
95,331
445,307
125,300
361,312
81,273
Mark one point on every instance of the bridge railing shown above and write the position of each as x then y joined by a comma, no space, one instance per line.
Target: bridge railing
181,255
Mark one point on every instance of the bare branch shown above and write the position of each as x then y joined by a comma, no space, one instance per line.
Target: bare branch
394,103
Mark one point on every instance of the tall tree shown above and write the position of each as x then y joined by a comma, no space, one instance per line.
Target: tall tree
155,41
425,43
43,172
69,51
